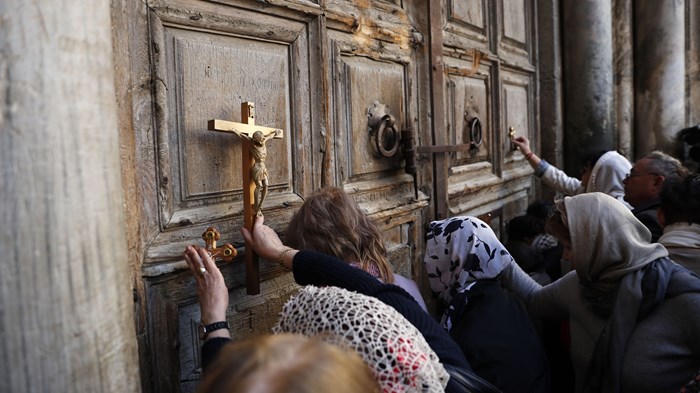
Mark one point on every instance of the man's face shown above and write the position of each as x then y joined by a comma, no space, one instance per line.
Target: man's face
641,184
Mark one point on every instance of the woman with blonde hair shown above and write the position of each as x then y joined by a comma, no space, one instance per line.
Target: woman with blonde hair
287,363
332,223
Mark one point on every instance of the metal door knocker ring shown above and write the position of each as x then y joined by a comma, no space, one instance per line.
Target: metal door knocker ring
475,133
382,130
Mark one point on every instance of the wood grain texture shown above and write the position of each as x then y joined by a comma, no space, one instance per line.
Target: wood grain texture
67,322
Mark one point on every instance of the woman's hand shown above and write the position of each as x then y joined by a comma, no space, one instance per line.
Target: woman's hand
267,244
211,288
523,144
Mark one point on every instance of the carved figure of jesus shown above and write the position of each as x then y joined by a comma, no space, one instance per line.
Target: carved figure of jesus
258,172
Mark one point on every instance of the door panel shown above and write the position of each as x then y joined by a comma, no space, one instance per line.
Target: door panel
516,31
467,20
206,60
205,72
470,96
489,71
364,81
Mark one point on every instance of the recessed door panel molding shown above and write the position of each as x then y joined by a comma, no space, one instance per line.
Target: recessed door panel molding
516,31
518,109
202,74
469,117
364,82
467,19
221,72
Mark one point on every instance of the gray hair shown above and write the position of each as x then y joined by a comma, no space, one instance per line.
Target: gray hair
664,165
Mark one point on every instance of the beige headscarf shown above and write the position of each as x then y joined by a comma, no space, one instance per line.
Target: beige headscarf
607,240
615,263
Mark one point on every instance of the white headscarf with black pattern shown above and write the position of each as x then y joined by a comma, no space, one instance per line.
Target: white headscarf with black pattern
459,251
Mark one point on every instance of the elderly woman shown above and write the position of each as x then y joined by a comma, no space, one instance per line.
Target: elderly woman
635,315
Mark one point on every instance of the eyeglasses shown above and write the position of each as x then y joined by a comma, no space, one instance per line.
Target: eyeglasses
627,176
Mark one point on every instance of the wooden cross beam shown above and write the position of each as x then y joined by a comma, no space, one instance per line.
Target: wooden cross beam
225,253
254,174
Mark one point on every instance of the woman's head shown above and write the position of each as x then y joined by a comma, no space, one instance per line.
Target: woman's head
397,352
461,250
332,223
287,363
587,165
607,174
605,238
557,226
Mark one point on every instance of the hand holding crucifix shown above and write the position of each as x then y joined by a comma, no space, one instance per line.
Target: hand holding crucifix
255,183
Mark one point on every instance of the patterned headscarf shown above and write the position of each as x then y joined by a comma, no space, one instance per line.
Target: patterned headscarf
396,351
459,251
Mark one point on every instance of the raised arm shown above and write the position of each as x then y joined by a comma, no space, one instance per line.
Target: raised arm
523,145
550,175
312,268
213,300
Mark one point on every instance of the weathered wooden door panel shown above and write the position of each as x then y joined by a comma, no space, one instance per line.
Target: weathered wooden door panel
374,60
206,60
205,67
363,81
467,19
489,74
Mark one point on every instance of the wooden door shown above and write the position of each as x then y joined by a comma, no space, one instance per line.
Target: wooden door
312,68
485,68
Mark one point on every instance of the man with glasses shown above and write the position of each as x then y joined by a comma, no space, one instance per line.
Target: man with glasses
643,184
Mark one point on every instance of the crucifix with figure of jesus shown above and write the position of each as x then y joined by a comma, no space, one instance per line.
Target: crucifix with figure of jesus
254,152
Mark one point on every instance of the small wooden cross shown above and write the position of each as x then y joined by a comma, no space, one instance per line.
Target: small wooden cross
254,156
225,253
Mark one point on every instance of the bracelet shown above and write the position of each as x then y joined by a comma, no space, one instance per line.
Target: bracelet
528,155
282,254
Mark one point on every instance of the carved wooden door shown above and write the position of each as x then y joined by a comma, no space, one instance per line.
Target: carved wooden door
484,85
312,68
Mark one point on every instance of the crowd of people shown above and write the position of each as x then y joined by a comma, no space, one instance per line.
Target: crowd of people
596,291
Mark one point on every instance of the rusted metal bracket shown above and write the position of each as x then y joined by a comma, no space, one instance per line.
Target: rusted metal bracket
409,155
443,148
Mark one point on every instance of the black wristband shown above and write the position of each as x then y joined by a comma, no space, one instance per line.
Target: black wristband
204,330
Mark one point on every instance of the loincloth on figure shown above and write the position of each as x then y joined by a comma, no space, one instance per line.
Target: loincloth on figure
258,172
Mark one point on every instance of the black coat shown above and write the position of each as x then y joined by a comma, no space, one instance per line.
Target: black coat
494,331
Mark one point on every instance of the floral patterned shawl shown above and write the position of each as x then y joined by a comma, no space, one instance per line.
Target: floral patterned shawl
459,251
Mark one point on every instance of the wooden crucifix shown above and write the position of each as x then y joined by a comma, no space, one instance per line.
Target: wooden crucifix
254,174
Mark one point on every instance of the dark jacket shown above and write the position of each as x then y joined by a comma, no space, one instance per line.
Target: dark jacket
646,213
496,335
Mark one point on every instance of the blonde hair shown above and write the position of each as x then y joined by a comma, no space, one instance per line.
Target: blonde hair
287,363
332,223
